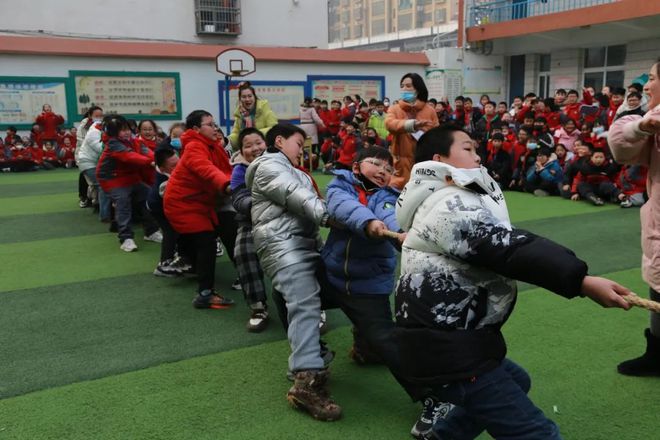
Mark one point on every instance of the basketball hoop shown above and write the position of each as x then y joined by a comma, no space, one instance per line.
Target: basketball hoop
235,62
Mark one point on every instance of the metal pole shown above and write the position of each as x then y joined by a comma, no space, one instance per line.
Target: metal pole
227,109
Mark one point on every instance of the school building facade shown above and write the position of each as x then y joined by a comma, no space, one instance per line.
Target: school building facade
544,45
165,71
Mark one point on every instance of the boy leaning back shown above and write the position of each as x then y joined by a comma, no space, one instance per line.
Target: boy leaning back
457,288
287,210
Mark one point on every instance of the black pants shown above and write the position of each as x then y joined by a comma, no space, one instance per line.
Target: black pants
550,187
227,231
372,317
200,247
170,236
82,187
605,190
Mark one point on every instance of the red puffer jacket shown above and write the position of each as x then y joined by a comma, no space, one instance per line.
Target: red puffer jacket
201,173
48,121
120,164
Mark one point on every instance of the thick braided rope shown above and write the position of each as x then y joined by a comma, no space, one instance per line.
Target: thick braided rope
391,234
647,304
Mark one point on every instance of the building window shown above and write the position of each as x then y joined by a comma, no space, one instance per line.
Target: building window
604,66
440,16
405,4
405,22
454,10
377,27
218,17
378,8
544,75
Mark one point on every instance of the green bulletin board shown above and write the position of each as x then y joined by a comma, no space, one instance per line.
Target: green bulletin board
156,95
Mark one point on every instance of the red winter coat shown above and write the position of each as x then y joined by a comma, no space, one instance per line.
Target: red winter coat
332,118
48,121
202,172
348,150
121,164
50,155
149,143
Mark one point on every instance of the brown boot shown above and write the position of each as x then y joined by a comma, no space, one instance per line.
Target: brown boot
309,393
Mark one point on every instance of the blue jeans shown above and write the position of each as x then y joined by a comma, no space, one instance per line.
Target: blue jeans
496,402
105,211
124,199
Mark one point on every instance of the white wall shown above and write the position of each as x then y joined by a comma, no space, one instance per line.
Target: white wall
640,56
265,22
454,58
199,79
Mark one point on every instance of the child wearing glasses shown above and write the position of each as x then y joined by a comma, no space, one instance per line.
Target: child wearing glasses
360,261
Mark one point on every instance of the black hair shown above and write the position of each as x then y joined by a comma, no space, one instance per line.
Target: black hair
459,98
335,101
433,100
529,115
285,130
589,145
92,109
418,85
637,87
560,92
484,96
12,129
467,99
379,103
437,140
376,152
497,137
570,120
348,98
245,85
324,102
133,124
113,124
316,100
550,103
153,124
620,91
246,132
544,151
530,95
573,92
634,94
540,119
194,119
363,104
490,103
503,102
162,154
517,97
373,101
603,99
496,125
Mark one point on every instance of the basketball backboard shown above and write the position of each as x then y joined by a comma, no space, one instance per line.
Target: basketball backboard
235,62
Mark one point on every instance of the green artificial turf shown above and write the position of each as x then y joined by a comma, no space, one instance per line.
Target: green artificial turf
96,347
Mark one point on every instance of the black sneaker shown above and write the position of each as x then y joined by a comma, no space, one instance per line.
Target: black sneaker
323,323
219,250
236,285
258,321
211,300
180,264
431,411
597,201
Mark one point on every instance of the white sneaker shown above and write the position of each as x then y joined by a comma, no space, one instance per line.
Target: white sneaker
156,237
128,245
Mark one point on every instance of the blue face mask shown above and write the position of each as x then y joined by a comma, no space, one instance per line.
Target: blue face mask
532,145
598,130
407,96
175,143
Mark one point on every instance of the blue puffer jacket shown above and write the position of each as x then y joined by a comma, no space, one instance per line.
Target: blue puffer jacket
551,172
354,263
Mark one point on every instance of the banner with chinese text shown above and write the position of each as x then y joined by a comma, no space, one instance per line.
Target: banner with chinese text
21,100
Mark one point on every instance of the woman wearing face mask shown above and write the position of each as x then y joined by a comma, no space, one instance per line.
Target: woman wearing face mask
93,115
173,140
407,121
251,112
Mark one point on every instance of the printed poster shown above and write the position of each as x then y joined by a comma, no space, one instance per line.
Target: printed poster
443,83
127,95
284,100
329,89
21,103
483,80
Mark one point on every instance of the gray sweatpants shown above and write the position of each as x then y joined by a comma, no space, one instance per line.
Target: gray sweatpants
301,292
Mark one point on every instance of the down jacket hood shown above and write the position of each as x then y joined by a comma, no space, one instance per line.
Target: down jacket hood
430,177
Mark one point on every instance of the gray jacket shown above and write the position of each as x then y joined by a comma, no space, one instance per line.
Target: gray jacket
286,213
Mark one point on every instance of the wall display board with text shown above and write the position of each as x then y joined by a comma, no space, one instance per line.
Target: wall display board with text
156,95
284,98
22,99
336,87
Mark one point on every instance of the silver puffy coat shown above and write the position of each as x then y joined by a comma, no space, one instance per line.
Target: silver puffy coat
286,213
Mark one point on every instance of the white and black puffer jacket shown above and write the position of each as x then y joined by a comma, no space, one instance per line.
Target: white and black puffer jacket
459,264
